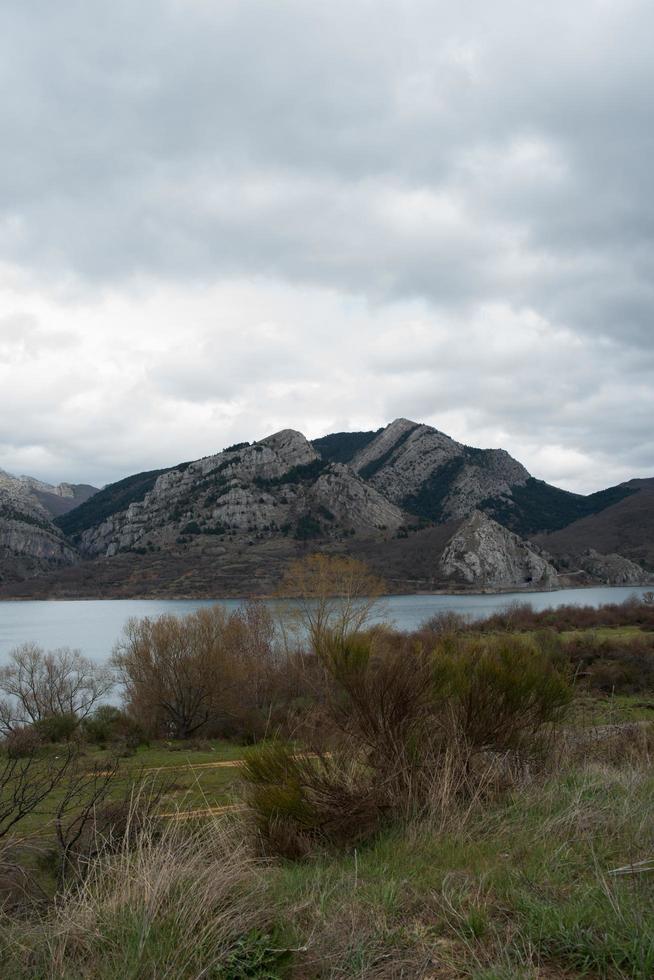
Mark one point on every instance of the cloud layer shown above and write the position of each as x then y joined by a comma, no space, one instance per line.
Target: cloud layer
221,219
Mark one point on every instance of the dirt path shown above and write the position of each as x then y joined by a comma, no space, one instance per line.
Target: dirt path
207,811
231,763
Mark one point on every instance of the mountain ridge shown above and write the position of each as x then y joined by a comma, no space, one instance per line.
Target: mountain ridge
255,504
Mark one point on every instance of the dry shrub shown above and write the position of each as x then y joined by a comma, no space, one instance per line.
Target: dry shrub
405,732
20,892
623,665
22,742
628,745
183,902
521,616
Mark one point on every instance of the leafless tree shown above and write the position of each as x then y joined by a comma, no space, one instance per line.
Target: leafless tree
172,669
200,672
38,684
27,781
331,595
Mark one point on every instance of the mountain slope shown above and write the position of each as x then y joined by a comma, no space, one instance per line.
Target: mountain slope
276,487
431,475
111,499
625,527
342,447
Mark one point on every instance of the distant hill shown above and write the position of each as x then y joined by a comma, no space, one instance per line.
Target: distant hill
536,506
64,497
625,527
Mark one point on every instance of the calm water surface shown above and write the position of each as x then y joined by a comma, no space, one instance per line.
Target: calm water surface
94,626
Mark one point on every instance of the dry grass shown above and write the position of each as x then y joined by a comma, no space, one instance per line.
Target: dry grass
173,902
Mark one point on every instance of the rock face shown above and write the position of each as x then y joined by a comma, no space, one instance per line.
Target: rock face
487,555
612,569
278,486
425,472
29,541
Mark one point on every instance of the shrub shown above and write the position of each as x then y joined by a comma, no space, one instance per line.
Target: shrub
401,730
445,621
57,728
22,742
501,691
298,801
613,665
109,724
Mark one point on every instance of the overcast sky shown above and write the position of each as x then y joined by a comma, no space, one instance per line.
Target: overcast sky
219,219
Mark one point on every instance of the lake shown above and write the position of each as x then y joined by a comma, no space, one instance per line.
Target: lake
93,626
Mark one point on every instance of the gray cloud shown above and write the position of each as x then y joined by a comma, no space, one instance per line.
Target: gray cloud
243,215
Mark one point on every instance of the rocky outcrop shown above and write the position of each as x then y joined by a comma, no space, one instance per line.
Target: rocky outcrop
29,541
485,554
612,569
431,475
353,503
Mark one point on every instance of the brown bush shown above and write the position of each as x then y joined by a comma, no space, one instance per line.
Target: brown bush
521,617
22,742
621,665
403,730
209,673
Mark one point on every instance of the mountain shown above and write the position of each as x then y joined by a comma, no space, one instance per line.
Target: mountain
425,510
434,477
431,475
59,499
279,486
30,542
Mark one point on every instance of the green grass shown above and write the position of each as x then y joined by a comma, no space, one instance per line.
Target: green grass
167,765
522,885
590,710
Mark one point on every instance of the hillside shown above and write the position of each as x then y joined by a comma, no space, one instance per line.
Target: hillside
111,499
625,527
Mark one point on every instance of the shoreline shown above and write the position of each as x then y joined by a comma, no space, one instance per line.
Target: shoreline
268,597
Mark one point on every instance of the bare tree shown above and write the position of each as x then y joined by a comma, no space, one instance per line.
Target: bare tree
39,684
27,781
173,669
332,595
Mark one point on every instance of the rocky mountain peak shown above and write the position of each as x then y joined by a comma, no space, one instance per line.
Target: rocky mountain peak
290,446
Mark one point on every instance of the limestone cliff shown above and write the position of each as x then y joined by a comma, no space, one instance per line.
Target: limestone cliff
29,541
431,475
485,554
278,486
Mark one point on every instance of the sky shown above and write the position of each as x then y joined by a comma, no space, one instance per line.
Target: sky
220,218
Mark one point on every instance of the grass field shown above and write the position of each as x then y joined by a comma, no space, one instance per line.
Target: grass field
545,875
517,891
191,777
